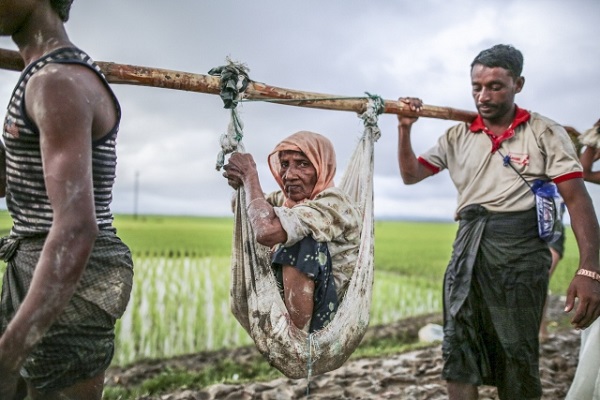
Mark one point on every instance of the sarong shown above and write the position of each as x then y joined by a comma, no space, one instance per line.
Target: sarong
80,343
494,292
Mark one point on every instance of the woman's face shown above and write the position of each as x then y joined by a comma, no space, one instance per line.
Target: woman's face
298,174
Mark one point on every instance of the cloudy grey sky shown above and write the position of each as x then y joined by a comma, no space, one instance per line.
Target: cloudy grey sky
423,48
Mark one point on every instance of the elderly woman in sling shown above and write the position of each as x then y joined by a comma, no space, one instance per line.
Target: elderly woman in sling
312,227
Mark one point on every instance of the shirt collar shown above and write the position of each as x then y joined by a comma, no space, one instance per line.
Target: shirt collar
521,116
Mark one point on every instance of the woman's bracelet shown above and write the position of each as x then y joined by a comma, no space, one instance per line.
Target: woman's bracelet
590,274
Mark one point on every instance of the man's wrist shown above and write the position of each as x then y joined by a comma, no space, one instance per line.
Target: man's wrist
590,274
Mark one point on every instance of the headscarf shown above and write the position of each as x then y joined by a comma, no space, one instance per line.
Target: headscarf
319,151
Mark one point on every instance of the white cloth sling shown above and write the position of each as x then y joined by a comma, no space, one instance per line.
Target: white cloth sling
258,306
591,138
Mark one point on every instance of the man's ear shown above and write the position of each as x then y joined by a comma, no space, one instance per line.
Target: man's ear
519,83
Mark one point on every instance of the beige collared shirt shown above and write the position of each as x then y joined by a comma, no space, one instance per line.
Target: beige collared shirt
540,149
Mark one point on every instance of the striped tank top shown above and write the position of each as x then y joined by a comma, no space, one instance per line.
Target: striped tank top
26,196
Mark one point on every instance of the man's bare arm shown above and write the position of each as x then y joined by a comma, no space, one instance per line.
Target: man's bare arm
411,170
63,111
587,233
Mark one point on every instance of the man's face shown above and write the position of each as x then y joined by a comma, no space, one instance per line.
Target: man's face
298,174
494,91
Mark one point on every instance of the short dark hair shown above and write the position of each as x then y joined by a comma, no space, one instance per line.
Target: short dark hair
62,8
503,56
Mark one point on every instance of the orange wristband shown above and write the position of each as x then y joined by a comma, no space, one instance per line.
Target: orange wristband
590,274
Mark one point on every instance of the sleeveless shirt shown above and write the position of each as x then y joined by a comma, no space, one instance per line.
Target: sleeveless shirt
26,195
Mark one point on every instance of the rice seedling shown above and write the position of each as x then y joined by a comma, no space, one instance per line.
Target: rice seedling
180,298
178,306
181,305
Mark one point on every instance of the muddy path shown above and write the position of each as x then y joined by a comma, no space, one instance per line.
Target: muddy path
413,375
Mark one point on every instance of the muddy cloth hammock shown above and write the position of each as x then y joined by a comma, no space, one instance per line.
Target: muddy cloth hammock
591,137
255,299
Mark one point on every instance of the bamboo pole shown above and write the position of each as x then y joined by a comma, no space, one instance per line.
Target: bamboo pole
10,59
178,80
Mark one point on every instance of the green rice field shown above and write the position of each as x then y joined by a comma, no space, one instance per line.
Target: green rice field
180,299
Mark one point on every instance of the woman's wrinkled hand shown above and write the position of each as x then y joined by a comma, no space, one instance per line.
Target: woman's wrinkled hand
239,166
232,176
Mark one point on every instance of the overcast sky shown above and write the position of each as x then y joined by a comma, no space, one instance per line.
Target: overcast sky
423,48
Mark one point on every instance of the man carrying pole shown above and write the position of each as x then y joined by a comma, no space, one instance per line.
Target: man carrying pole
68,275
496,282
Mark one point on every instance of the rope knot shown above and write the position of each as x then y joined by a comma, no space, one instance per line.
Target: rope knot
234,81
375,106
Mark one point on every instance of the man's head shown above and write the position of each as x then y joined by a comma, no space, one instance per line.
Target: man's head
502,56
62,8
495,80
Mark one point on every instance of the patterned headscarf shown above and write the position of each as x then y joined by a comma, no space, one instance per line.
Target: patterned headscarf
319,151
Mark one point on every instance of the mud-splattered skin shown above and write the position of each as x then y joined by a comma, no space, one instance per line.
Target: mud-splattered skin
298,296
241,171
71,107
299,177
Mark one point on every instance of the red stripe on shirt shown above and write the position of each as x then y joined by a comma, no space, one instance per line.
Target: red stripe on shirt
567,177
429,165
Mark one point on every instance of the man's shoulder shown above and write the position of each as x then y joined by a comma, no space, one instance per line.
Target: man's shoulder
458,129
456,133
540,123
60,74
